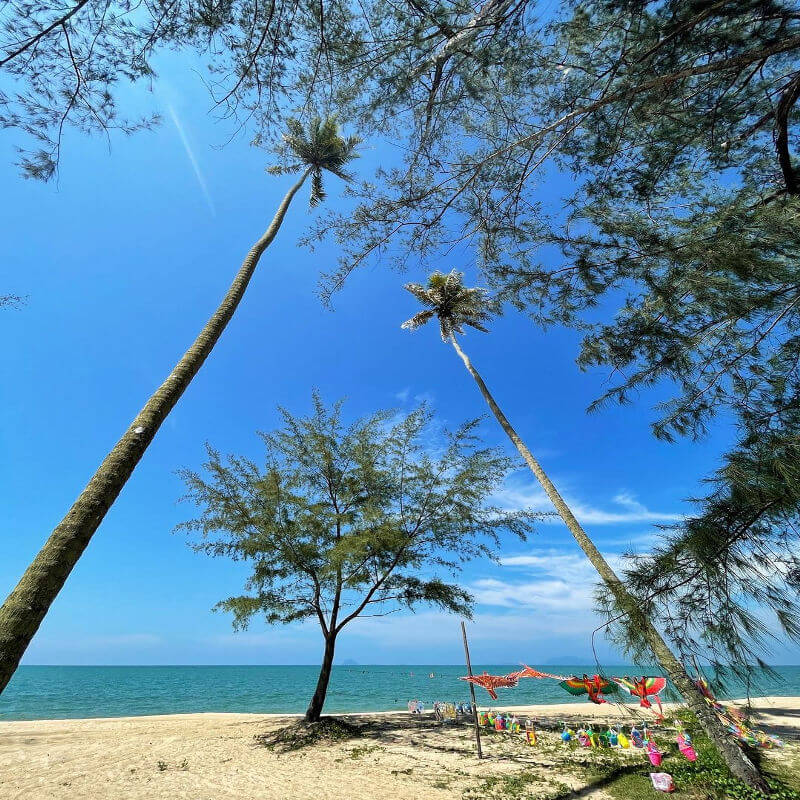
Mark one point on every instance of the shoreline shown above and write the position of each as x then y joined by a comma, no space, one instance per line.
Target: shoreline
760,705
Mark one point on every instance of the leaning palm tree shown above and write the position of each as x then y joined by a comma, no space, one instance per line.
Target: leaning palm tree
456,307
320,148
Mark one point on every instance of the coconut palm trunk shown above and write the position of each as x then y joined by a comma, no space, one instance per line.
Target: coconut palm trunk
27,605
738,762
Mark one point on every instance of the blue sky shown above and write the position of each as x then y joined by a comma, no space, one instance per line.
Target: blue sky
123,260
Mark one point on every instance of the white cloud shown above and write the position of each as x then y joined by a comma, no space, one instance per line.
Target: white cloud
553,581
406,397
630,509
546,596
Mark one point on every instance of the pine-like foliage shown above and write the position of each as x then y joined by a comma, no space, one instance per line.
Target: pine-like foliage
346,520
673,129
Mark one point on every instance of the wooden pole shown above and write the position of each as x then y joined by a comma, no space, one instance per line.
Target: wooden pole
472,691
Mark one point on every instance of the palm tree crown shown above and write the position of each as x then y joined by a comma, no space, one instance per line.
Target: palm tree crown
454,304
319,147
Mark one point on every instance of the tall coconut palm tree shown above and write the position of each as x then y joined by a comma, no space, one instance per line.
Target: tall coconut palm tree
318,149
456,307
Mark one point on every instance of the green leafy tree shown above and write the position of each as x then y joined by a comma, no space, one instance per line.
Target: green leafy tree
689,200
318,150
64,61
673,130
456,306
344,521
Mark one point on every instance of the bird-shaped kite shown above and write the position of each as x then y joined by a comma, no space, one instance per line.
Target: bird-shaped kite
643,688
594,687
492,682
529,672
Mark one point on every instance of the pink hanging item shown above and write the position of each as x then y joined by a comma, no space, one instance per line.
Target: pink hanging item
654,754
662,781
685,746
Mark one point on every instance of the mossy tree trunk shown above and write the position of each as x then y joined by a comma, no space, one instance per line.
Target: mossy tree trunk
738,762
27,605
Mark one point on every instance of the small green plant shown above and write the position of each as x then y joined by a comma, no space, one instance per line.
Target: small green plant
507,787
360,752
162,766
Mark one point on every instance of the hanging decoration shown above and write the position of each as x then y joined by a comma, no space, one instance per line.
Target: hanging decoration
529,672
735,721
594,687
492,682
644,688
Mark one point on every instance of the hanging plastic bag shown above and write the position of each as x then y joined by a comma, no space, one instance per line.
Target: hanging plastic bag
662,781
654,754
685,746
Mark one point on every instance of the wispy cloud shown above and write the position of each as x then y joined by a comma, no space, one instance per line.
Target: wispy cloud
505,637
553,581
407,396
192,159
629,509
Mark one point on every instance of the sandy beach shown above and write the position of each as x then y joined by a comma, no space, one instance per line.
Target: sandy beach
396,755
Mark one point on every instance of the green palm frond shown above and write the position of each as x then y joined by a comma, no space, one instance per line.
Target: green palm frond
321,147
419,319
421,293
454,304
317,189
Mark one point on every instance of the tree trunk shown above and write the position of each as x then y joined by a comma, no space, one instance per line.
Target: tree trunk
738,762
27,605
318,700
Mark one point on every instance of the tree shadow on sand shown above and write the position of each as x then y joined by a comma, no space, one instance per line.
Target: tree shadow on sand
383,729
600,782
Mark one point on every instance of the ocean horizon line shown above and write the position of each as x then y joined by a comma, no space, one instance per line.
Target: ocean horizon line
79,691
383,664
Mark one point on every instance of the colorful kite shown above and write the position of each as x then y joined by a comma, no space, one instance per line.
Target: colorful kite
643,688
735,722
594,687
492,682
529,672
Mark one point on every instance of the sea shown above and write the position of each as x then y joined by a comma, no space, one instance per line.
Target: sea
54,692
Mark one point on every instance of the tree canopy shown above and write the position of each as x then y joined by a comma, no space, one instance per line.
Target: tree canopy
344,520
64,62
673,127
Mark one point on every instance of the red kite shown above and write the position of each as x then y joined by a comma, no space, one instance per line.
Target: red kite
492,682
529,672
643,688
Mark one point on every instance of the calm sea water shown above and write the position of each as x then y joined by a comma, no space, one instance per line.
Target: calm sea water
78,692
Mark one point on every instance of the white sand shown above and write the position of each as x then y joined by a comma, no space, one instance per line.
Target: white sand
215,757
